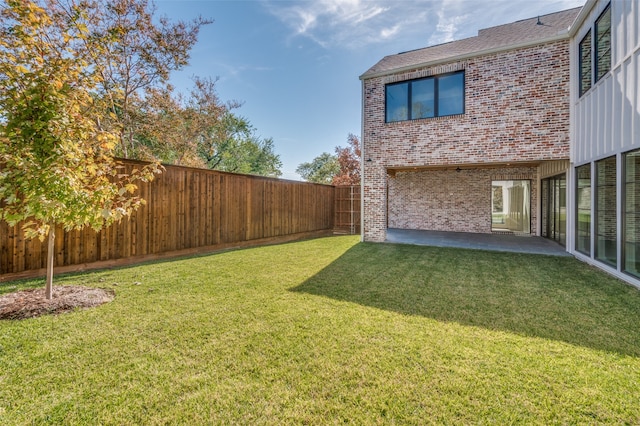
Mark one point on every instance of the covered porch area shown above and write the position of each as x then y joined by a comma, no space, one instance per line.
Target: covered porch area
477,241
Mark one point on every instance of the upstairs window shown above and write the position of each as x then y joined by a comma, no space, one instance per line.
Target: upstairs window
425,98
585,64
594,52
603,43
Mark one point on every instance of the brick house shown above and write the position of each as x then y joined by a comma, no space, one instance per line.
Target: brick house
460,136
528,128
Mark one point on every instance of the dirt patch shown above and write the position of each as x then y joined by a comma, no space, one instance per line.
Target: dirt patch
31,303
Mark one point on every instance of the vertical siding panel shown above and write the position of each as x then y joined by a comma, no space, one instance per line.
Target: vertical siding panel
609,97
617,103
636,22
628,26
590,138
587,147
595,106
627,116
619,37
636,96
576,144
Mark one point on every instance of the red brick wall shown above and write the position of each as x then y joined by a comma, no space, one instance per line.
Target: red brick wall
516,109
447,200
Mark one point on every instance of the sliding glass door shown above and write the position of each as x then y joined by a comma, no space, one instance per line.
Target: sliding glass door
554,208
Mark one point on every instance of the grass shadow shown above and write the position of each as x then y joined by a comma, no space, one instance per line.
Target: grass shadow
558,298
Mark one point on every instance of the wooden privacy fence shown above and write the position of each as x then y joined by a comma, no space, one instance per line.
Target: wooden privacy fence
187,211
347,210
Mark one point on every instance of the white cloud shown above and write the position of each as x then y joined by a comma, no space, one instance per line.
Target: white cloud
346,23
452,16
355,24
389,32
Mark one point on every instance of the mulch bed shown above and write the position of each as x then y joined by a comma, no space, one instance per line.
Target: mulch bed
32,303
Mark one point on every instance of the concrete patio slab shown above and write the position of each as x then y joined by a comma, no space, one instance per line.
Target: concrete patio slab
492,242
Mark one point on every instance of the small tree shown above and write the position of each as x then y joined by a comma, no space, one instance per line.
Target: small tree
349,161
343,168
56,163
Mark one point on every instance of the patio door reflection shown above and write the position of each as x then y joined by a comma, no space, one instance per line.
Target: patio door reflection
511,206
554,208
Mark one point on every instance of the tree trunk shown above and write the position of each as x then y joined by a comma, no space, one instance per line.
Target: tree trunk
48,288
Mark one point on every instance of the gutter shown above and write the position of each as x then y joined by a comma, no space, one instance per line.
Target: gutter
584,13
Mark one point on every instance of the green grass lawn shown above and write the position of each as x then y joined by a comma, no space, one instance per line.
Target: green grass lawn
333,331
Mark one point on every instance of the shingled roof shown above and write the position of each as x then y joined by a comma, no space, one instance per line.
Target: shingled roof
554,26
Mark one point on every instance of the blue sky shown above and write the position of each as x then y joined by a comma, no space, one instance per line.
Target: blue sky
295,64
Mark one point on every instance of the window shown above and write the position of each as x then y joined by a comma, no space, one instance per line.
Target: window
425,98
585,64
554,208
631,233
511,206
603,44
594,52
396,102
583,209
606,206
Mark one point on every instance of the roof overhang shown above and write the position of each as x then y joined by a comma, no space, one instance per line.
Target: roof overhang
562,35
584,13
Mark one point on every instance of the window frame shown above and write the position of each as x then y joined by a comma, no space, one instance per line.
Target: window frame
590,191
625,211
600,212
582,73
597,39
436,96
594,72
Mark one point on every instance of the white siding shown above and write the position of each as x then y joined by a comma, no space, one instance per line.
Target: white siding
606,119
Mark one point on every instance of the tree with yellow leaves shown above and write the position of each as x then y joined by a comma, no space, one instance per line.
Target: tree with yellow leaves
57,164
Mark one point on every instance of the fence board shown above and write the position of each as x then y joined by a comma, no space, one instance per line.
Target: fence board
187,209
347,212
